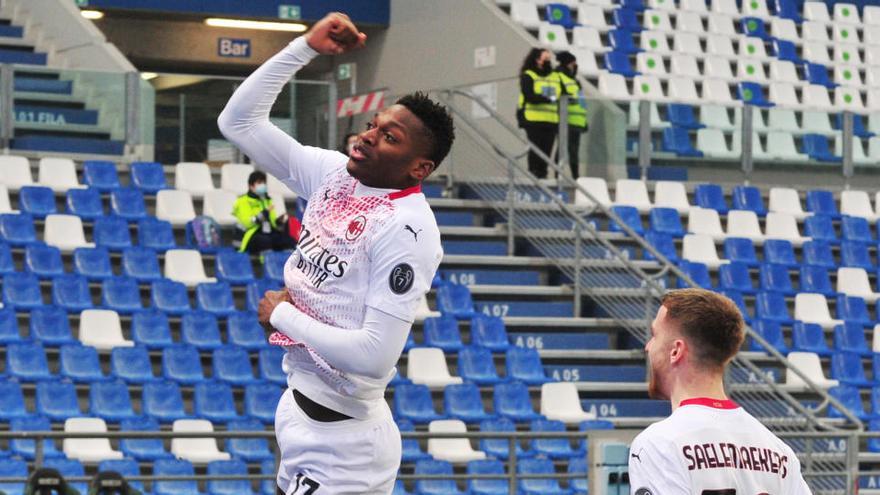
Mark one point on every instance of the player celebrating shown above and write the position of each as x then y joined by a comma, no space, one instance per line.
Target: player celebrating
709,445
367,254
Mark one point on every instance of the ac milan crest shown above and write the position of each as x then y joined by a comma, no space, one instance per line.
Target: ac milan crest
355,228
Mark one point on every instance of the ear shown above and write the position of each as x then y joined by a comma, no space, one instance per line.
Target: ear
678,352
422,169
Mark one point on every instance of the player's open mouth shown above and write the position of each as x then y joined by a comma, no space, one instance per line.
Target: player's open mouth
357,153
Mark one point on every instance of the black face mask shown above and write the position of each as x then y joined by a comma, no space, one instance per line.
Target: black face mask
543,68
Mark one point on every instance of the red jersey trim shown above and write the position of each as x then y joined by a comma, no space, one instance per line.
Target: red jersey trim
713,403
405,192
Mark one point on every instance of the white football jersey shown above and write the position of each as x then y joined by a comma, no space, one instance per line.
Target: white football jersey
712,447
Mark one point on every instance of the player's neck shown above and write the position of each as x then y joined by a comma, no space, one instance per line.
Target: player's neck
696,384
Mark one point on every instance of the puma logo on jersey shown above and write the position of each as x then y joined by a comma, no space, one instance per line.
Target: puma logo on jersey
414,233
637,456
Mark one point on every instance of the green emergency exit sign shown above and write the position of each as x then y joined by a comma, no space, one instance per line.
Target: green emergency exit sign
289,12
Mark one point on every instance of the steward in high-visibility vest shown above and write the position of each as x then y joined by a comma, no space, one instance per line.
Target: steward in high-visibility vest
577,107
548,87
538,108
260,226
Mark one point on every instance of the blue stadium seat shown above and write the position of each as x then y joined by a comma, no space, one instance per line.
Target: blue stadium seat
21,291
489,332
26,361
269,365
850,337
554,448
413,402
156,234
149,177
261,400
438,486
127,468
776,278
182,364
111,401
13,468
487,486
85,203
201,330
150,328
559,13
25,448
853,310
786,50
748,198
455,300
809,337
273,265
215,298
442,332
662,243
856,229
17,228
677,140
256,289
627,23
49,326
462,401
752,93
698,272
248,449
859,128
822,202
233,467
112,233
43,261
524,364
754,27
269,486
617,61
848,369
818,253
141,264
856,255
539,486
9,332
816,279
772,306
170,297
630,216
820,228
399,487
818,74
499,447
7,264
131,364
12,400
232,364
243,330
72,293
666,221
787,9
162,401
80,363
874,426
710,196
512,401
234,267
38,201
92,263
128,203
636,5
772,333
213,401
100,175
577,465
411,451
780,252
681,115
69,468
121,294
57,400
735,276
174,467
475,364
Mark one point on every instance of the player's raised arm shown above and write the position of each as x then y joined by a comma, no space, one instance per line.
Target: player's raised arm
245,120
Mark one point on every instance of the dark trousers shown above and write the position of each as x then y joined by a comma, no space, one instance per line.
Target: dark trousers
574,144
542,136
274,241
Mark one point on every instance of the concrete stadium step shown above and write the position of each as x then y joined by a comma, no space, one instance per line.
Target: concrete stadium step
11,56
14,41
55,100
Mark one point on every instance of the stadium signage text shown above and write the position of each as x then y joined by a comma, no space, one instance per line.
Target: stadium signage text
234,47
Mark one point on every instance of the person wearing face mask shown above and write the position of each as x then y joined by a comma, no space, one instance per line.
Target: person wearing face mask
577,107
261,228
538,108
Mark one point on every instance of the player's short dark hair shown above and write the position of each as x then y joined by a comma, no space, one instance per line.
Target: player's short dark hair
437,121
256,176
711,323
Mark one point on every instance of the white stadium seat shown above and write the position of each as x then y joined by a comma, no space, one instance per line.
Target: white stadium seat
234,177
194,178
5,205
683,90
613,86
871,35
813,308
758,151
722,25
716,91
783,226
185,266
846,13
751,47
275,186
705,221
662,5
16,172
648,87
744,223
875,341
726,7
817,122
807,363
786,200
455,450
751,70
65,232
782,119
874,148
217,204
783,94
858,155
654,115
815,31
757,119
592,15
671,194
689,22
174,206
693,6
718,68
685,66
654,41
871,15
847,53
845,33
716,117
816,52
816,11
560,401
596,187
587,37
632,192
755,8
783,71
427,366
780,146
279,205
101,329
587,66
525,13
713,145
856,203
196,450
687,43
650,63
721,45
854,282
552,36
848,99
88,450
657,20
58,174
816,96
784,29
424,311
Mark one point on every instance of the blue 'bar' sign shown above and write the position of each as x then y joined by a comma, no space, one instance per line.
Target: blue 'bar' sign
234,47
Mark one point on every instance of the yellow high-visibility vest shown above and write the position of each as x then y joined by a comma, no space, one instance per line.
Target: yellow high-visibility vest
542,112
577,113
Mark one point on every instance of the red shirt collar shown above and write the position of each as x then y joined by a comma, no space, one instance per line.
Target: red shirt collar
708,402
405,192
